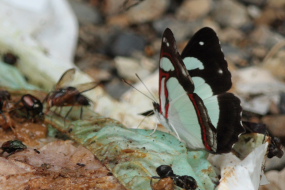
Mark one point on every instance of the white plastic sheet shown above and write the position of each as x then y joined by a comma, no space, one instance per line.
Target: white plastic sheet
46,24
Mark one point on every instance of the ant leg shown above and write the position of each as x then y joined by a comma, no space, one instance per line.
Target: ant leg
81,110
60,109
151,184
67,114
3,115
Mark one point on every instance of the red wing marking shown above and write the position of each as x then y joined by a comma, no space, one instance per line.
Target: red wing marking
203,127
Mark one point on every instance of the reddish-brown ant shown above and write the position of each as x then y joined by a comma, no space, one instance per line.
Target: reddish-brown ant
65,95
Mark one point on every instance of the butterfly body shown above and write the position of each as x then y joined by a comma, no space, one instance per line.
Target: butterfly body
193,102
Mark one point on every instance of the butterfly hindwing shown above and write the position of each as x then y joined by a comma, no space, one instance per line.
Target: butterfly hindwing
208,68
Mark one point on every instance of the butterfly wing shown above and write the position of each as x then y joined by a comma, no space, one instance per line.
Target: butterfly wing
181,110
206,64
208,68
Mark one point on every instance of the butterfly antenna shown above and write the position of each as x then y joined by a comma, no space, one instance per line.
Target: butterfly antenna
138,90
146,87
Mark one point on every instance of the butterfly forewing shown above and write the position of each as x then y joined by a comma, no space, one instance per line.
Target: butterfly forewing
206,64
65,79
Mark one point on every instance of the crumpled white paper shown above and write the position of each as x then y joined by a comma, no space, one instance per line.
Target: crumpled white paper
243,174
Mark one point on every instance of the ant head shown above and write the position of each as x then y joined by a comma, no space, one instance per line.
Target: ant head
164,171
274,148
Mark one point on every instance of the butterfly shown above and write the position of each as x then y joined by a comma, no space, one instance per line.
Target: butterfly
193,98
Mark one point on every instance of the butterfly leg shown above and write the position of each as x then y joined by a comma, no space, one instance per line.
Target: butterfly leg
81,112
177,135
67,114
155,127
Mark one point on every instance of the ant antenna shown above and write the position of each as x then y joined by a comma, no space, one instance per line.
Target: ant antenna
138,90
145,87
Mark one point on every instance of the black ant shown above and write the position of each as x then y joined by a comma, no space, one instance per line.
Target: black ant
12,147
274,147
184,181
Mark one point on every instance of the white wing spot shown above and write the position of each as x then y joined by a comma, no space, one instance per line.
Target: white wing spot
201,43
165,41
220,71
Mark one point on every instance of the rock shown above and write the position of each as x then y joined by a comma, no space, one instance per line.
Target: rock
125,44
253,11
281,104
230,13
274,163
191,10
147,11
276,179
262,35
142,12
276,124
116,88
275,64
231,35
258,3
257,88
255,81
180,29
259,52
119,20
276,3
129,67
112,7
273,16
98,74
97,39
236,55
85,13
259,105
210,23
